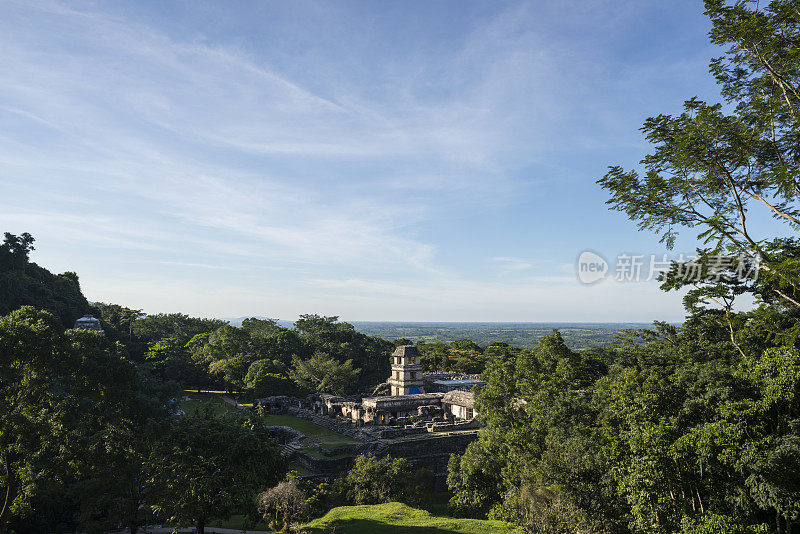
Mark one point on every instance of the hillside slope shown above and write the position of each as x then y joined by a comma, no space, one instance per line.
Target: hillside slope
397,518
23,283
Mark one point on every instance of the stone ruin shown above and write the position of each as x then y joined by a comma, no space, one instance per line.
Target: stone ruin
422,417
438,401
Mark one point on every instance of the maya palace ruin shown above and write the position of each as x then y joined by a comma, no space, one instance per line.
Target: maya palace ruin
424,417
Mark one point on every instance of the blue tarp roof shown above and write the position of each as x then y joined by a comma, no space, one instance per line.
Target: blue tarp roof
461,382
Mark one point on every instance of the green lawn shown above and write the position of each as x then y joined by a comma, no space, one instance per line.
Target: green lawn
323,436
196,402
211,391
397,518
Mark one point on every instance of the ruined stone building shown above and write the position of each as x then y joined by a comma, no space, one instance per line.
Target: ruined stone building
460,404
406,376
413,396
422,417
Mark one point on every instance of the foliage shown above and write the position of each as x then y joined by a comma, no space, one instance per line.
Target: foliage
65,401
690,429
681,428
321,498
23,283
712,169
139,331
374,480
169,359
341,342
323,373
15,250
117,320
284,503
178,325
324,355
268,377
206,466
461,356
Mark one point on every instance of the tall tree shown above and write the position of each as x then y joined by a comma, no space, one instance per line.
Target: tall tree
15,250
119,318
712,168
169,359
63,396
206,466
23,283
268,377
323,373
341,342
178,325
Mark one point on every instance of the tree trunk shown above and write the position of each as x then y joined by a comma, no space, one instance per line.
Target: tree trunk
132,512
201,525
8,498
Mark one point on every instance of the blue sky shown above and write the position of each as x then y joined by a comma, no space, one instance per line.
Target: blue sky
372,160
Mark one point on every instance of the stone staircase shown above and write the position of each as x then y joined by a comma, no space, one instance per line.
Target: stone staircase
291,449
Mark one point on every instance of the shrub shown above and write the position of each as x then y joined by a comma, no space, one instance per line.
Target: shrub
378,480
284,503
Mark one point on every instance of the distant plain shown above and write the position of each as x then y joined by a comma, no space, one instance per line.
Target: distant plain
576,335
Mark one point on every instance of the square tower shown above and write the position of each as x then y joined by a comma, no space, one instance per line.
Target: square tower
406,376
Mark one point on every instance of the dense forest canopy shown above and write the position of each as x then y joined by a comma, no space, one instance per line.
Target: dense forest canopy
25,283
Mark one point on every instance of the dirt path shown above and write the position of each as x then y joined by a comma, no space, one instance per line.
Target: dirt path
232,402
209,530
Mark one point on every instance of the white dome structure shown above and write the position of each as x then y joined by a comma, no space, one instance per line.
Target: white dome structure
88,322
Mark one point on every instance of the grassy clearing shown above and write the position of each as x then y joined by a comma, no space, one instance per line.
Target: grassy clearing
397,518
323,436
195,403
211,391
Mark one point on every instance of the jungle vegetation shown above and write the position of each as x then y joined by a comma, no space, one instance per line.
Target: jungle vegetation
692,429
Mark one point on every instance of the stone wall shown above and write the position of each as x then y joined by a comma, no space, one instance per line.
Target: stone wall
430,448
325,467
285,434
431,451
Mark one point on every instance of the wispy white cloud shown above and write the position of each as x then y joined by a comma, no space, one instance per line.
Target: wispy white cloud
125,111
125,138
511,264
